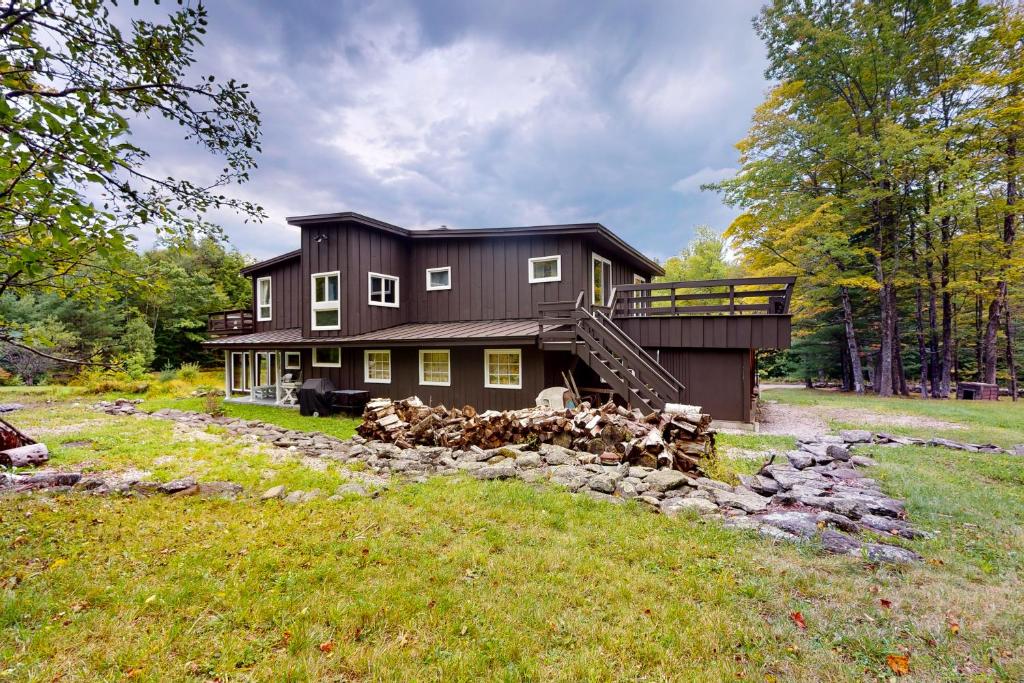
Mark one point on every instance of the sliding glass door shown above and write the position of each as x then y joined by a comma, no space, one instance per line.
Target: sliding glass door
240,377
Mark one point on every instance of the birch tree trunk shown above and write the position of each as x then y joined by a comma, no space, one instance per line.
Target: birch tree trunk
851,342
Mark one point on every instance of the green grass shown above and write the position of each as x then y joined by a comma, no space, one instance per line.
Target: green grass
456,579
340,426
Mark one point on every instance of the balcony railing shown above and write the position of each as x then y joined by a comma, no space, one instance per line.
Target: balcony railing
736,296
230,322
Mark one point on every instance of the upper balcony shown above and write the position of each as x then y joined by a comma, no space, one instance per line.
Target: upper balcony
735,296
239,321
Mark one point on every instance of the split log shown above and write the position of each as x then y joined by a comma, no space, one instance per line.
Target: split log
25,456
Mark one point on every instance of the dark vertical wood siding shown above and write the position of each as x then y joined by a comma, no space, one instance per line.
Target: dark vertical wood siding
467,374
490,277
719,380
712,331
285,295
354,251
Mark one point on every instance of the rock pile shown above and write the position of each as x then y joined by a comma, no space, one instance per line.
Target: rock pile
676,438
132,482
817,493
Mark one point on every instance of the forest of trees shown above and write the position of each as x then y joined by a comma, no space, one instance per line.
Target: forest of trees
883,169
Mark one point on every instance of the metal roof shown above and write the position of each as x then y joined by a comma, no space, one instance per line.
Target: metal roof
408,334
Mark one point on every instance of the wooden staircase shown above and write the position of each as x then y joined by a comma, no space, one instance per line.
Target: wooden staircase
616,358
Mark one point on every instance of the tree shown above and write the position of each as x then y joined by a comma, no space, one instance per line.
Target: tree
74,186
706,257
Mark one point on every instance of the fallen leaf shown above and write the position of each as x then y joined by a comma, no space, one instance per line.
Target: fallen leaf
327,646
286,637
900,664
59,562
887,604
151,598
133,673
954,626
798,619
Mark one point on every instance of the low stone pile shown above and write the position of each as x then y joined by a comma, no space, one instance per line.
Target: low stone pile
815,492
125,483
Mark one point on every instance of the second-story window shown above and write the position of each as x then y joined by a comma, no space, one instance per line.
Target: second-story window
600,280
263,303
545,269
439,278
326,301
383,290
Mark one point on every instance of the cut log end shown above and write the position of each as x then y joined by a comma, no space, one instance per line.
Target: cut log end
32,455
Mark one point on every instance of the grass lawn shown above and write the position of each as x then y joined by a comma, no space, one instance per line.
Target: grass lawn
456,579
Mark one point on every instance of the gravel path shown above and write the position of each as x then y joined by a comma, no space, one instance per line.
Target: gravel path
805,422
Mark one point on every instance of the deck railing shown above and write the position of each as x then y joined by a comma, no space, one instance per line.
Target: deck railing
230,322
735,296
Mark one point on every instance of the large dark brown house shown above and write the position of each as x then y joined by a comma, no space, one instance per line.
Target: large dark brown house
491,317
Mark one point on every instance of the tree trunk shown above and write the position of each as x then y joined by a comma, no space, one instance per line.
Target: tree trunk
851,342
25,456
933,332
946,364
1009,353
922,352
885,370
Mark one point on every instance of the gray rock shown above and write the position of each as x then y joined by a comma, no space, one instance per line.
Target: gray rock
863,461
818,450
838,521
839,543
741,499
888,525
789,478
759,484
651,501
856,435
774,533
641,472
626,489
351,489
603,497
800,459
220,489
557,455
709,484
469,465
496,472
881,552
528,461
1018,449
802,524
177,485
534,475
295,497
838,453
273,492
675,506
663,480
602,483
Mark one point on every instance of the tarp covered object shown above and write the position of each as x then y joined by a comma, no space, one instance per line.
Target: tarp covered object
314,397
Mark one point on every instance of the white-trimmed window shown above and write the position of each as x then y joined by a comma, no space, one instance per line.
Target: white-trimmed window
326,295
377,366
326,357
263,300
545,269
503,368
435,367
241,379
600,280
383,290
439,278
292,360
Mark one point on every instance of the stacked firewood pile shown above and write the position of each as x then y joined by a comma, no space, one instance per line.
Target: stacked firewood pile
676,438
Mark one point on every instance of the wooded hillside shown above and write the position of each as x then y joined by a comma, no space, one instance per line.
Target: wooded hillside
883,169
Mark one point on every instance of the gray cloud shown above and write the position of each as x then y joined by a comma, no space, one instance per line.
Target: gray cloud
486,114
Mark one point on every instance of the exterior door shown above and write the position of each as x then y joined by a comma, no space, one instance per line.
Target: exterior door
266,368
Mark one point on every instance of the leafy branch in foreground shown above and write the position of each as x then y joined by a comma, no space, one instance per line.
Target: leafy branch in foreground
75,188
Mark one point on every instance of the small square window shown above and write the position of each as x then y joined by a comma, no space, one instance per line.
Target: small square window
292,360
326,357
383,290
545,269
435,367
439,278
377,366
503,368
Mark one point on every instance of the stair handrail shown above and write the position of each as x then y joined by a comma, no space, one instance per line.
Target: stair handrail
652,365
649,360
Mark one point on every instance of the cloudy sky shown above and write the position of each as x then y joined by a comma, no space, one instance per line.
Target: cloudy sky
475,113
